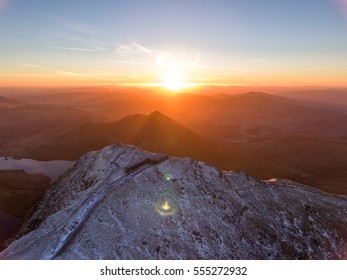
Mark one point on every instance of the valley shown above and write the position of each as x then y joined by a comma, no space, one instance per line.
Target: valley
266,135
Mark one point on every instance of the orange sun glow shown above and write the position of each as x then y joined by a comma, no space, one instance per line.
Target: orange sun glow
173,81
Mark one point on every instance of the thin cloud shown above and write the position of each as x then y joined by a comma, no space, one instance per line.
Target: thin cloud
74,49
308,69
125,62
161,58
132,49
27,74
73,74
196,60
97,76
30,65
80,75
22,64
110,74
253,80
85,44
178,65
75,35
164,58
221,68
81,27
89,44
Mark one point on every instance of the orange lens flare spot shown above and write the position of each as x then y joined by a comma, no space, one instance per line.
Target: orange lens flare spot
166,208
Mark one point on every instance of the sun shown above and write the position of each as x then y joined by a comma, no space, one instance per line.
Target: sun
173,81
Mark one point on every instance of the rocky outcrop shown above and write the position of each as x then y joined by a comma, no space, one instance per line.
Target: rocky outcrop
179,209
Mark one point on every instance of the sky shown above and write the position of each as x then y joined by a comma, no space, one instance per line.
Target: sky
138,42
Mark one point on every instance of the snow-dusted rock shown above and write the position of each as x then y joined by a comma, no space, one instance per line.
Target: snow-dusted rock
179,209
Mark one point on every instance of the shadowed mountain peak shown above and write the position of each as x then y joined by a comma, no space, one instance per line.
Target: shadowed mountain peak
156,133
157,114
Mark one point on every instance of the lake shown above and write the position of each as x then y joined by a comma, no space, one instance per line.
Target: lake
52,169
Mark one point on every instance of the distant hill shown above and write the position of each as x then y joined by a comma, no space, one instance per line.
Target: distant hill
324,159
273,132
226,114
9,103
156,133
334,97
236,117
30,119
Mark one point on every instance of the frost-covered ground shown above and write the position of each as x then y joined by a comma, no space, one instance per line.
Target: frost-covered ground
180,209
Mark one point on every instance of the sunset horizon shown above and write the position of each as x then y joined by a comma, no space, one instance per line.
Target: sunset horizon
207,43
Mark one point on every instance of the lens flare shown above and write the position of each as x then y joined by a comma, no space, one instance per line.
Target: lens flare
166,208
3,4
168,177
342,6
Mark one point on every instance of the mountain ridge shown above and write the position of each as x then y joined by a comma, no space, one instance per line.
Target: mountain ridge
158,133
210,214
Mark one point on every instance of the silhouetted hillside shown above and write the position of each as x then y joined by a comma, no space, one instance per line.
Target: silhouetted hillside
9,103
19,191
324,160
238,117
156,133
205,127
28,120
334,97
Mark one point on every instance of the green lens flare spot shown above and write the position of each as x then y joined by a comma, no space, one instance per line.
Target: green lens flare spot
168,177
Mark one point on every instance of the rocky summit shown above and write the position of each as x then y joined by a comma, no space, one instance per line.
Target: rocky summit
120,203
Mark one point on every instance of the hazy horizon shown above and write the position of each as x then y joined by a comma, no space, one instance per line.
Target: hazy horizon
175,44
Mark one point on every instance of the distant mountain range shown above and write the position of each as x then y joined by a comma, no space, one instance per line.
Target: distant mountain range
157,133
335,98
265,135
9,102
237,117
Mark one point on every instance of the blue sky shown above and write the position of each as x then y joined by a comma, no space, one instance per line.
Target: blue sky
220,42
